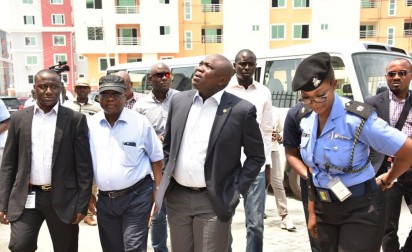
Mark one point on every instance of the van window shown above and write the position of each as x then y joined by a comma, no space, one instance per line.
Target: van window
140,81
182,78
371,69
343,87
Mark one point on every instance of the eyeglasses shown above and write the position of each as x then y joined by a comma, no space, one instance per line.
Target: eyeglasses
400,73
162,75
114,96
319,99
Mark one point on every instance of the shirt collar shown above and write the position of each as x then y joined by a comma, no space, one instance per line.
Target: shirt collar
169,92
38,109
217,97
393,97
122,118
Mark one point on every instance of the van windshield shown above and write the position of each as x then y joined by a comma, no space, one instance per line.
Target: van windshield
370,70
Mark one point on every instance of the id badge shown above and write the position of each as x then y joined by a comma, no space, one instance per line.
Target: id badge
31,200
339,189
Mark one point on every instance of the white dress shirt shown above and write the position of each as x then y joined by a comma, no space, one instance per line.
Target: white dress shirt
260,96
42,140
190,163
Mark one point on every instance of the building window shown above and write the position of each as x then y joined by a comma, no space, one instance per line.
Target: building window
65,77
81,75
409,3
103,64
278,3
131,60
188,40
95,33
93,4
324,27
407,28
56,1
166,57
59,58
188,9
127,36
30,41
255,27
59,40
31,60
58,19
80,58
30,78
211,6
212,35
367,31
301,31
164,1
369,4
27,1
391,36
28,20
277,32
392,8
300,3
164,30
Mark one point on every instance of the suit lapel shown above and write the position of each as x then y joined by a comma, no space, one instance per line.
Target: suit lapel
223,111
182,114
61,123
384,106
27,126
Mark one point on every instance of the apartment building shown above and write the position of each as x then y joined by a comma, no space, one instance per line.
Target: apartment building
107,32
6,64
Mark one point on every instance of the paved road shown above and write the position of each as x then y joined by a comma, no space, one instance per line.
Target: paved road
275,239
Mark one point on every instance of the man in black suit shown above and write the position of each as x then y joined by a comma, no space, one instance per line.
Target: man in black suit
203,173
46,172
389,105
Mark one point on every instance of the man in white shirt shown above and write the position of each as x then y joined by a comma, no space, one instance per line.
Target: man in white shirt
243,85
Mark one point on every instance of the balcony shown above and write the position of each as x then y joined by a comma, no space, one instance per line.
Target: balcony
127,9
368,34
211,7
407,33
212,39
368,4
128,41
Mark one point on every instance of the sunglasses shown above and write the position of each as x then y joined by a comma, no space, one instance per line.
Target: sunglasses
115,96
400,73
162,75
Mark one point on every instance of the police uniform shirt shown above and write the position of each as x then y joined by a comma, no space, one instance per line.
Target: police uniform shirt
334,145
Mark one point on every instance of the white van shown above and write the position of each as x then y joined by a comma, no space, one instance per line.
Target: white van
359,69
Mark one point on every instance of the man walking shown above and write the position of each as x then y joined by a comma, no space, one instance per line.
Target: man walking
46,173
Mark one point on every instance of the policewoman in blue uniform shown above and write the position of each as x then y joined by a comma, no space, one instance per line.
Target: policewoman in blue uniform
346,208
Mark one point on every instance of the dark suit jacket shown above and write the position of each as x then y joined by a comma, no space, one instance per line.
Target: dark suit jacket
381,104
72,172
234,127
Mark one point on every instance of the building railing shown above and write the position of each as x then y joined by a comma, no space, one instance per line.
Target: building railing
407,33
128,41
368,34
212,39
211,7
369,4
127,9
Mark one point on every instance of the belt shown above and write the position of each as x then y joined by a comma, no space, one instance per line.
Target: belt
188,188
359,190
123,192
44,188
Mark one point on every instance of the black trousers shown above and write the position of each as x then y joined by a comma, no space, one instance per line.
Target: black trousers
354,225
25,230
393,199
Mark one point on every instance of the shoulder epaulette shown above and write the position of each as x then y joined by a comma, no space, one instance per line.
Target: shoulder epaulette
358,108
303,111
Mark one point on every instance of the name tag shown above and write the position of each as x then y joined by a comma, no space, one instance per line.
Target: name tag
31,200
339,189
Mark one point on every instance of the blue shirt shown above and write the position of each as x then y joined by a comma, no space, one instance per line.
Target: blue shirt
335,143
122,154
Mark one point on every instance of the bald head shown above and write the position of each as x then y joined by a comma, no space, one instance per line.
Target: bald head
127,82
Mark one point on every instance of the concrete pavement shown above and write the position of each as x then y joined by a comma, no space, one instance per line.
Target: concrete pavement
275,239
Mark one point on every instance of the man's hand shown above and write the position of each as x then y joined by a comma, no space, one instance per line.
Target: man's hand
78,218
92,204
3,218
313,231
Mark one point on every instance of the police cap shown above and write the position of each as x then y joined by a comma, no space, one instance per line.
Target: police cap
311,72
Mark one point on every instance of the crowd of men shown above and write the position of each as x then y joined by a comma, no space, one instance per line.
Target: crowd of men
170,158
